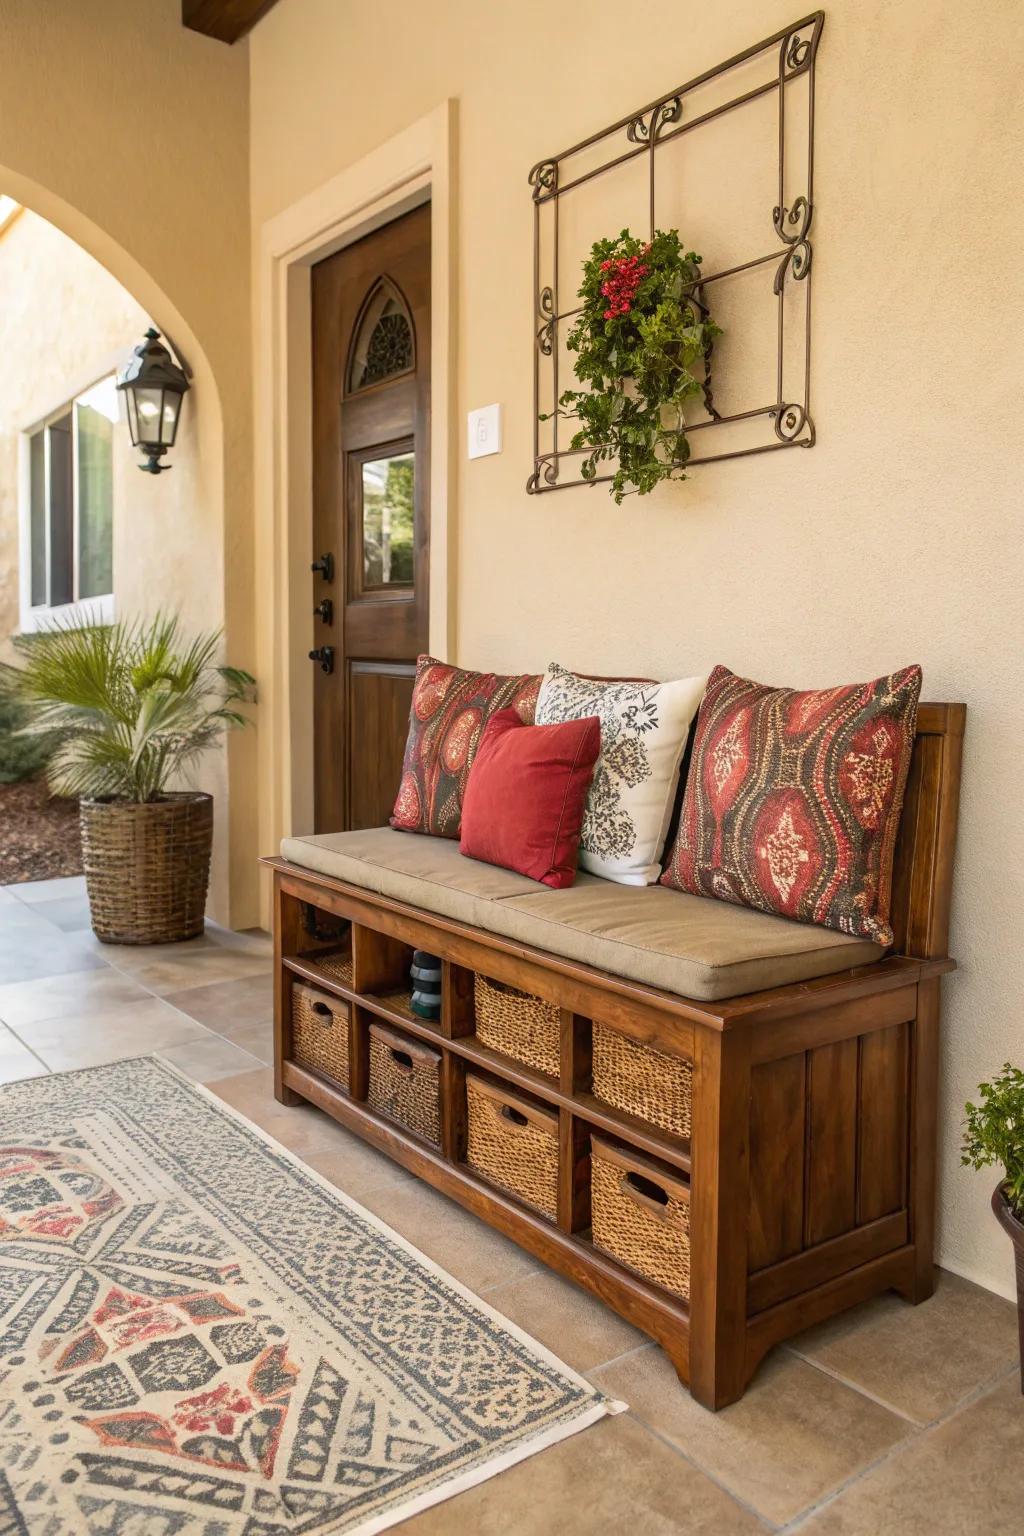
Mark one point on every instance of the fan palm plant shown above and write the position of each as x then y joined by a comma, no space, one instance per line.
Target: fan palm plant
125,711
126,708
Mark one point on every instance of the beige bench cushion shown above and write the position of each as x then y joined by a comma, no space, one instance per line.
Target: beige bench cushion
689,945
426,871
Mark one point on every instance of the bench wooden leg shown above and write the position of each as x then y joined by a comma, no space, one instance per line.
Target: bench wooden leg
286,942
719,1209
924,1091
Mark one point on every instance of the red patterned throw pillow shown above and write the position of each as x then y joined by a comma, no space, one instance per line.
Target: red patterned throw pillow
793,800
450,708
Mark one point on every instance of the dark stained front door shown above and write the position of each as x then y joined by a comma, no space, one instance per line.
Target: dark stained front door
371,513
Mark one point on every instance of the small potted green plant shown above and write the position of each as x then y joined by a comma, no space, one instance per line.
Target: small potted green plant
994,1137
126,711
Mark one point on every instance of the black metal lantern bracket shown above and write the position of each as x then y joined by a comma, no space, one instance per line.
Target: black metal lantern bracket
779,421
154,385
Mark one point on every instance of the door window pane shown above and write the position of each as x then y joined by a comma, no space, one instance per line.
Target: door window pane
97,413
388,519
37,517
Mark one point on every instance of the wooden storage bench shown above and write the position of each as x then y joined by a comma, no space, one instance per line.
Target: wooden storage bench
806,1181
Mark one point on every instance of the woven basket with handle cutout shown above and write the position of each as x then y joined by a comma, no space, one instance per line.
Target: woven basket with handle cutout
514,1143
320,1032
518,1024
640,1214
643,1081
405,1081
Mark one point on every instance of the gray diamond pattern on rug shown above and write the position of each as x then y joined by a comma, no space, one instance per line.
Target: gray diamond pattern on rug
198,1337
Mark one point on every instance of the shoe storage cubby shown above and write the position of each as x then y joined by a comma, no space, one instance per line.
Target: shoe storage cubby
511,1087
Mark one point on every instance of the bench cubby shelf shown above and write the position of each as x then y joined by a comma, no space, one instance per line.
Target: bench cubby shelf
810,1163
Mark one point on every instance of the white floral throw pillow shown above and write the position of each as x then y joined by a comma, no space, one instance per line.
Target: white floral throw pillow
644,727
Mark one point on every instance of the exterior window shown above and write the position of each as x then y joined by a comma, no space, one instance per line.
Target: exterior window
70,512
382,344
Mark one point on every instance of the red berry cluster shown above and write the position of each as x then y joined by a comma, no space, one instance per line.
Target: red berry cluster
622,282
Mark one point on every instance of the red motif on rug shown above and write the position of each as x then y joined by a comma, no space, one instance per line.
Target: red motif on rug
124,1320
235,1426
234,1423
68,1198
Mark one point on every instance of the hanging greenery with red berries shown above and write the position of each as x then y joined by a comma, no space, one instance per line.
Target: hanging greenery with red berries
639,337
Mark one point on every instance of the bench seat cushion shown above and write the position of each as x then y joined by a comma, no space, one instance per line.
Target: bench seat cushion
689,945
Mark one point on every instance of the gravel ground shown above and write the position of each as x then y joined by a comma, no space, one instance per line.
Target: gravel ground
39,837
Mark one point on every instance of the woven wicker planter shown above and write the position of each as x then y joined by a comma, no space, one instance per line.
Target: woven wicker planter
147,867
1010,1224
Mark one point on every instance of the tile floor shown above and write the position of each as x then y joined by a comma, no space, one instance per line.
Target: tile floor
889,1419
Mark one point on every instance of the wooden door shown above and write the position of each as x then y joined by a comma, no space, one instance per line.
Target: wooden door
371,513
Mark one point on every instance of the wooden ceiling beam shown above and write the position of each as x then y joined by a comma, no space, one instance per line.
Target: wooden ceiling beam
226,20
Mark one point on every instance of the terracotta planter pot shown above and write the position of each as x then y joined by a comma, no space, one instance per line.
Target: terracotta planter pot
1015,1227
147,867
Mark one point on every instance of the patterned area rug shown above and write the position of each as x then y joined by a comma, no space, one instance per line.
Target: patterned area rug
200,1337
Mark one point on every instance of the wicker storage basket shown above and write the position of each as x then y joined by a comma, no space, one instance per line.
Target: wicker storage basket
518,1024
320,1032
147,867
405,1081
641,1080
640,1214
335,964
514,1143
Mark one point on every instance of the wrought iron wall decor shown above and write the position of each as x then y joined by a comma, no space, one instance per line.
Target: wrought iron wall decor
791,55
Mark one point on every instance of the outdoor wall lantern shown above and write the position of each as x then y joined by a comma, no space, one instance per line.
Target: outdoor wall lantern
154,387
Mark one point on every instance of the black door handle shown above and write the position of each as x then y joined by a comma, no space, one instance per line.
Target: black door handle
324,611
325,565
324,654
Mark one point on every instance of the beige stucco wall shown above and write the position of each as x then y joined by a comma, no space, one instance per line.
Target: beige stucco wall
130,134
896,539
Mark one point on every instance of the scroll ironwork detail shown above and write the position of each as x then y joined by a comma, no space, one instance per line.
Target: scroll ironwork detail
650,125
781,417
543,179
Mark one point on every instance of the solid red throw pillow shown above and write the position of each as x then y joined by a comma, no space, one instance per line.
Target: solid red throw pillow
523,804
793,800
450,708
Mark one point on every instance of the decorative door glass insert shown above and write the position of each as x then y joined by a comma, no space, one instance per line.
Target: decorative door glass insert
388,487
382,343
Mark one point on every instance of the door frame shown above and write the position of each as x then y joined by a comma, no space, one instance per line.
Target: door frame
413,167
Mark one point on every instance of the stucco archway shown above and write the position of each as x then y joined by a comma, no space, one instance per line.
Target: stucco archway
180,560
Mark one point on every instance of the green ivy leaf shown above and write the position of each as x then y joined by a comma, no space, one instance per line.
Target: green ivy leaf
656,345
